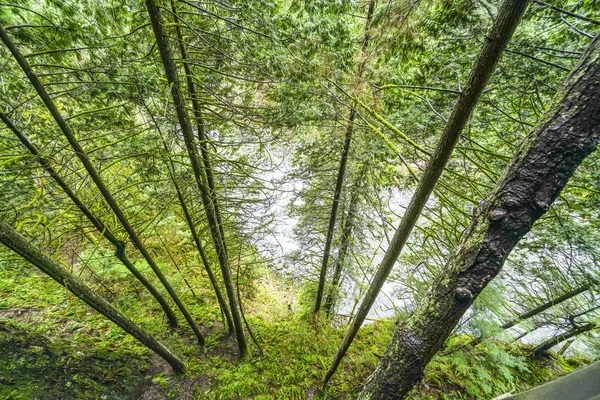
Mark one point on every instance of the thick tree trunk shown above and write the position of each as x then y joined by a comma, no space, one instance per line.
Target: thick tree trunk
509,15
550,343
91,170
98,224
567,133
11,239
343,161
199,175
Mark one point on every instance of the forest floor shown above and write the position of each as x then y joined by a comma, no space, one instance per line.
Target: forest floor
54,347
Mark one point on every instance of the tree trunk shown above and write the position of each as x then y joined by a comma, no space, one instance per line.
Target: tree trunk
98,224
550,343
565,135
188,218
199,175
91,170
344,159
202,138
507,20
347,228
211,275
11,239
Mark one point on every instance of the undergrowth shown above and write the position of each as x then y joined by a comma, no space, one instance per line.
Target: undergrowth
59,345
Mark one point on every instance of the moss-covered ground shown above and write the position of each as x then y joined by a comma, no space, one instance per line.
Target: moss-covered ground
54,347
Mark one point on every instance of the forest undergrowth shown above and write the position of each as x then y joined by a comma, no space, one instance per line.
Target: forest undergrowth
54,346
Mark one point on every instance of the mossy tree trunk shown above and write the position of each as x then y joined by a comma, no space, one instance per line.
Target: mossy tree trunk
11,239
566,134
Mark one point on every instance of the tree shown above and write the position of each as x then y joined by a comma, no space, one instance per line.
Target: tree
210,204
193,230
273,139
538,172
343,161
347,228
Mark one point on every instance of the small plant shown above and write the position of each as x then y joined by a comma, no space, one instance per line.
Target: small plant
161,380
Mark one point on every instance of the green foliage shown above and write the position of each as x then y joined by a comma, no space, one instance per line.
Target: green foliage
487,371
276,81
297,351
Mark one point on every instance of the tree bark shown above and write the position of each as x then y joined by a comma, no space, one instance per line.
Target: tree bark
98,224
199,175
509,15
91,170
11,239
550,343
343,161
566,134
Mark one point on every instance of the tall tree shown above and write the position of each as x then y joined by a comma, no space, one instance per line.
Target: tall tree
569,131
200,248
199,175
345,241
505,24
206,163
194,232
344,159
